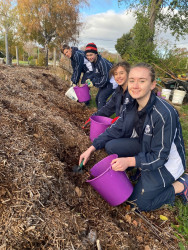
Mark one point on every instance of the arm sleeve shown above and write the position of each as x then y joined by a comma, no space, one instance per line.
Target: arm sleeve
77,70
122,128
164,131
100,79
108,109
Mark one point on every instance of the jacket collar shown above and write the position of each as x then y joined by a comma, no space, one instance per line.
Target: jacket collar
74,49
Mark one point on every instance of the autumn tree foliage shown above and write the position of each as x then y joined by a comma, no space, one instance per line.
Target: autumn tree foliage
50,21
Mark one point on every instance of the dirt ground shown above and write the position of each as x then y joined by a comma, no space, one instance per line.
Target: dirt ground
43,204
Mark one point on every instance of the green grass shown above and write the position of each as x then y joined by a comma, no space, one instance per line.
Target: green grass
14,61
181,227
93,93
182,217
184,124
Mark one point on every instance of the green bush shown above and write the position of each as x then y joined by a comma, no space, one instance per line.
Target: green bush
30,58
41,60
32,62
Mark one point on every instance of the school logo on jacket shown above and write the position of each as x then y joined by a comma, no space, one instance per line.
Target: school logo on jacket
147,129
126,100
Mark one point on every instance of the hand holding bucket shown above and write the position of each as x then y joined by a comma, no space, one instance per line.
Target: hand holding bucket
89,83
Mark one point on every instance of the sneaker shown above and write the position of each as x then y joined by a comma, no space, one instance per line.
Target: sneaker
184,194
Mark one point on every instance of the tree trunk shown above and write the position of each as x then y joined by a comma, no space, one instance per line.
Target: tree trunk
6,47
38,54
55,57
17,55
154,9
46,54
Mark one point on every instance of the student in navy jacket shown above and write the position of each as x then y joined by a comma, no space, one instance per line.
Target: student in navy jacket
162,157
79,63
119,99
100,76
121,95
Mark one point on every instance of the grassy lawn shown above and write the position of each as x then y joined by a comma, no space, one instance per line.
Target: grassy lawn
14,61
182,217
184,123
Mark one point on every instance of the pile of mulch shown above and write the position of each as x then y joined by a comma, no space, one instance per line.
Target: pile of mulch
43,204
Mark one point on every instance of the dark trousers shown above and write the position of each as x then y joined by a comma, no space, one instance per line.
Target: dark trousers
151,200
103,95
123,147
145,201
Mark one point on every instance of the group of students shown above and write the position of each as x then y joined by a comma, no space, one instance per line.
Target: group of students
146,136
95,70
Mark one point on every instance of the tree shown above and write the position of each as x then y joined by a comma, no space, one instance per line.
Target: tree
7,21
171,14
49,21
134,46
123,44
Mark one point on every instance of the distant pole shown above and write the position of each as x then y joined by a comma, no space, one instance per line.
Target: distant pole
55,57
38,54
17,55
6,46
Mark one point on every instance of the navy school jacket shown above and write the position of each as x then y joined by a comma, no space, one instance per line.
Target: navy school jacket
100,76
114,105
79,64
162,157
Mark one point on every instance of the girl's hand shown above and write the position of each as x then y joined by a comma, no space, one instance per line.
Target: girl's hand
86,155
121,164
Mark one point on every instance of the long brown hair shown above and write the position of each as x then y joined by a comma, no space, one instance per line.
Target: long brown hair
124,65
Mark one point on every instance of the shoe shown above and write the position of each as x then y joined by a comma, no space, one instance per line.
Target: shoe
184,194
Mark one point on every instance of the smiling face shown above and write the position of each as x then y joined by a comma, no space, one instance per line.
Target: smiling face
67,52
92,57
140,84
120,76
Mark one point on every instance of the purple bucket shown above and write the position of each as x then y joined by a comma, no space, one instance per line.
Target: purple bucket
82,93
98,125
113,186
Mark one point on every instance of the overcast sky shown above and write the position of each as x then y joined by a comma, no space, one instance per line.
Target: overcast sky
105,22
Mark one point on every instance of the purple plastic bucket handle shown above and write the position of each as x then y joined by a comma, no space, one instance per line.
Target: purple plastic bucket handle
82,93
98,125
113,186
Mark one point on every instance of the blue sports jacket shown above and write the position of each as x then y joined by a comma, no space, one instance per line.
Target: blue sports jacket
79,64
162,157
100,76
114,105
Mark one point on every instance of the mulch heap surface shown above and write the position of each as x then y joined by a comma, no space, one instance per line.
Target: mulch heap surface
43,204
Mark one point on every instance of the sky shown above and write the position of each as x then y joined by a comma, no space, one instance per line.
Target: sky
104,22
